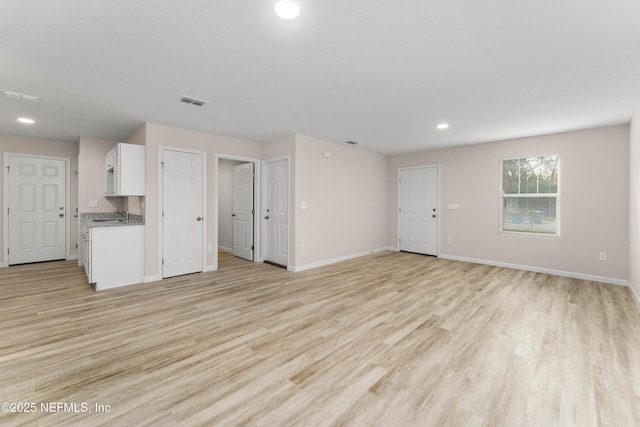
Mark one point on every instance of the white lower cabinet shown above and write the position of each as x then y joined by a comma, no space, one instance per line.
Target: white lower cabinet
114,256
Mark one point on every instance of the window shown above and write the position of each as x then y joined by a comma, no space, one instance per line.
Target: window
530,195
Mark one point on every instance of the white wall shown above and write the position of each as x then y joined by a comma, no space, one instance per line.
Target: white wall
594,202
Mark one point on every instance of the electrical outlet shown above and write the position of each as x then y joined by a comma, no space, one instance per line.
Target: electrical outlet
210,248
603,256
449,240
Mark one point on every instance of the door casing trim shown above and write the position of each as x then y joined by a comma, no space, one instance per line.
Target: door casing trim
257,253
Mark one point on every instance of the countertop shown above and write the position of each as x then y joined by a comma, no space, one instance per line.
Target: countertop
109,219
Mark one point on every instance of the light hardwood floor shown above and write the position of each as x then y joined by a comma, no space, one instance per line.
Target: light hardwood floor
391,339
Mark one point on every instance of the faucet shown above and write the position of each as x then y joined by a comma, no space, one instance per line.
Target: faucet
125,214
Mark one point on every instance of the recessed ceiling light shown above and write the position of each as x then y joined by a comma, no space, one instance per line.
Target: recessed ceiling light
26,120
287,9
442,126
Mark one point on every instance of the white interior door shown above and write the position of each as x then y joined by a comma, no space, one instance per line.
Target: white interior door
37,209
418,210
243,211
277,212
182,213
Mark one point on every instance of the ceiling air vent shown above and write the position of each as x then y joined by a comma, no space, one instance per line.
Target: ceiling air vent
20,96
193,101
352,142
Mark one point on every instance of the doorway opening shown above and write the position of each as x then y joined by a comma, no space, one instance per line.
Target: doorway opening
236,200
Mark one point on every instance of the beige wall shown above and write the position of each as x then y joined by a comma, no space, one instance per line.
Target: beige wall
353,196
594,202
346,199
44,147
91,153
634,206
161,135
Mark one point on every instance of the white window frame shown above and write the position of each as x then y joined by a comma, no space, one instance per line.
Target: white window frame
530,195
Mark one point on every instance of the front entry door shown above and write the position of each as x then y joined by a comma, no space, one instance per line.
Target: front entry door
418,210
182,213
277,212
37,209
243,211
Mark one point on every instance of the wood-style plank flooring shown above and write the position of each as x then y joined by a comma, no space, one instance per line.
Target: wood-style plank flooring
391,339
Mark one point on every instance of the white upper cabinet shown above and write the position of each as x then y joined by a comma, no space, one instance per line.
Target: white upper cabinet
124,169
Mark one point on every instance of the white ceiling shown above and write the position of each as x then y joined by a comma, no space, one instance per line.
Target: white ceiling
383,73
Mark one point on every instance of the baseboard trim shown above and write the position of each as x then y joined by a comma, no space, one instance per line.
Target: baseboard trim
610,280
155,278
634,293
223,248
335,260
1,265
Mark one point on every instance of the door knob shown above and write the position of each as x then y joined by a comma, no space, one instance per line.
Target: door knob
266,217
434,215
61,215
199,218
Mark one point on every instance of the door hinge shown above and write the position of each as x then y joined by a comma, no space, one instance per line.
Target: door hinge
399,210
162,214
162,261
162,165
399,239
251,247
76,246
8,251
8,169
252,212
